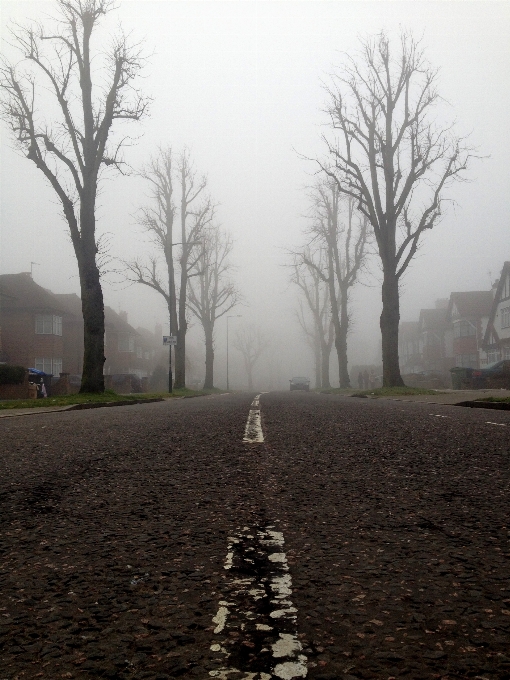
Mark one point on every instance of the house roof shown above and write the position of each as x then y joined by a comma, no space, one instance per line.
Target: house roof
19,291
71,301
117,322
505,272
474,303
432,319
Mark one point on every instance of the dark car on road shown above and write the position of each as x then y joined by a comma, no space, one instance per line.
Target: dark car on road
300,384
494,377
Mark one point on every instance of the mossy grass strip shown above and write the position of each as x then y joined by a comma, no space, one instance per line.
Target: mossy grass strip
109,396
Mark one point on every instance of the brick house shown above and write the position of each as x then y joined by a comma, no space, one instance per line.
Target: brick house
435,339
126,349
409,347
44,330
468,314
496,341
36,325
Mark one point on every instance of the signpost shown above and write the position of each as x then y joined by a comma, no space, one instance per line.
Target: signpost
169,341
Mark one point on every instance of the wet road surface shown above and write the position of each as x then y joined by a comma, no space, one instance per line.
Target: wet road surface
360,539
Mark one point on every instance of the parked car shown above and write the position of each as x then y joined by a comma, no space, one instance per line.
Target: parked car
300,384
494,377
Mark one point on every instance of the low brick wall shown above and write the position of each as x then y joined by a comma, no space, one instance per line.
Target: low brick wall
22,391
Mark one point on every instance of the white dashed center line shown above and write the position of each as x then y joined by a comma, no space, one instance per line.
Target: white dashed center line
253,432
488,422
257,620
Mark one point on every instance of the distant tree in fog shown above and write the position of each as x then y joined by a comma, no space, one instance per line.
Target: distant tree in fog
315,303
211,292
178,195
61,110
341,231
393,158
252,343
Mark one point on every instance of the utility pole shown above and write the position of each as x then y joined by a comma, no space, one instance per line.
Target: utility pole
234,316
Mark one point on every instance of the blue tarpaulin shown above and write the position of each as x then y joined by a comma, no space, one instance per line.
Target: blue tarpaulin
36,371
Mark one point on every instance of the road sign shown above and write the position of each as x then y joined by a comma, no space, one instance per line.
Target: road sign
169,340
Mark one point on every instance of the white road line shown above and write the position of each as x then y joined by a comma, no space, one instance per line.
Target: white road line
488,422
253,432
257,613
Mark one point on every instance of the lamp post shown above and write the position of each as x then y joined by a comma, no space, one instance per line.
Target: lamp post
234,316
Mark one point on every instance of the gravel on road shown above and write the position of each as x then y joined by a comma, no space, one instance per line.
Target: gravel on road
393,517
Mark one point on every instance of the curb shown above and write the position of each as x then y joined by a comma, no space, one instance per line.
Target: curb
106,404
8,413
498,405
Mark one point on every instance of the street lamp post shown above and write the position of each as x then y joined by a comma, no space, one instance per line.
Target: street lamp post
234,316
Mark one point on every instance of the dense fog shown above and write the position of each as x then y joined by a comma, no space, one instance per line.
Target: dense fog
241,86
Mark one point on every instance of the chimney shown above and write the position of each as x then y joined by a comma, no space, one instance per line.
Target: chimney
123,316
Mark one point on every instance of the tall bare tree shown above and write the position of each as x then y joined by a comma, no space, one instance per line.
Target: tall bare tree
174,192
342,232
252,343
92,87
320,332
393,158
211,292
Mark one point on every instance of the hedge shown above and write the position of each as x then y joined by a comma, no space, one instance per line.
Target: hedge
11,375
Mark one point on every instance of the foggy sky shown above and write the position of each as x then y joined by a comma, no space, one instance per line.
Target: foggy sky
239,83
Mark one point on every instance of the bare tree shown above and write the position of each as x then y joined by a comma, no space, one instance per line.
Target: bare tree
393,158
316,294
211,293
69,140
342,232
158,221
252,343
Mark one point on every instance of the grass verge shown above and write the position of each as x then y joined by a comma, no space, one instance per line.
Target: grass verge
106,397
394,392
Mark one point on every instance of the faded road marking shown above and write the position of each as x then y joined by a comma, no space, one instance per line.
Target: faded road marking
253,432
488,422
257,620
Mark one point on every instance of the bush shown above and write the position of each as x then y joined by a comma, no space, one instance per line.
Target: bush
11,375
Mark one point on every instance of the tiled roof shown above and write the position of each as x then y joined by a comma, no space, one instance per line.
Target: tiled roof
472,303
19,291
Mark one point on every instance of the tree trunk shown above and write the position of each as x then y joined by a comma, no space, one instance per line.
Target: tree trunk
180,360
92,302
390,318
325,356
209,360
180,350
318,363
93,326
341,342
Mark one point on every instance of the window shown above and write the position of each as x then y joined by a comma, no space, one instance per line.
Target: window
467,360
463,329
506,353
126,343
139,353
48,324
49,365
493,356
505,317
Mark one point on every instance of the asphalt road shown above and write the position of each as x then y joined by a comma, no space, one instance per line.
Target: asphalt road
361,539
